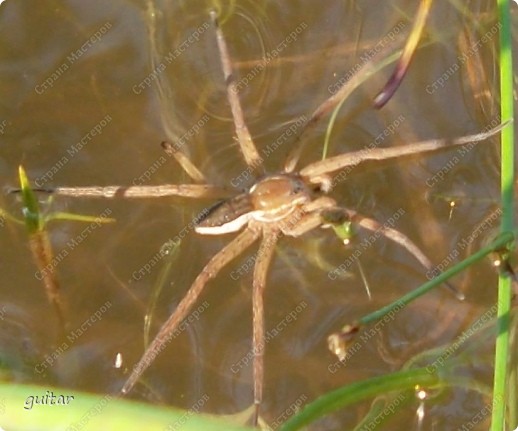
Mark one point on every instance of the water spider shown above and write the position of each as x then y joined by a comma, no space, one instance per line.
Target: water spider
289,202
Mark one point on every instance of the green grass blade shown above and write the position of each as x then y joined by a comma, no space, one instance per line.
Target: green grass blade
507,197
31,208
355,392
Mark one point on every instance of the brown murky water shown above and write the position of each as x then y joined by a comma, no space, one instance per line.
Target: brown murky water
87,96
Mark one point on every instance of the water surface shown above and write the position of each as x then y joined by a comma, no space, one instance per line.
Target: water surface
70,67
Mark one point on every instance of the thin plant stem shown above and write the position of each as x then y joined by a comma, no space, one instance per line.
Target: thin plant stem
507,181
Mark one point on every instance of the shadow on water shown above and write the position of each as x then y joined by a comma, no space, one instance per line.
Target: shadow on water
88,95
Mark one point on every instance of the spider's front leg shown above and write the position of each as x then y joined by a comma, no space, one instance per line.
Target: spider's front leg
317,170
246,144
308,217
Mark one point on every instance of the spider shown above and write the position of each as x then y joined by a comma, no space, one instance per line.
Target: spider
284,203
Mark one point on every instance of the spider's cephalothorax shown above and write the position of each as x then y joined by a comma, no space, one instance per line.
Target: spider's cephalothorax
275,197
270,199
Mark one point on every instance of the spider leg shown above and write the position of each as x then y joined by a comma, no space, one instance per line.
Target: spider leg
184,190
352,159
306,223
399,238
168,330
184,161
264,257
248,149
308,218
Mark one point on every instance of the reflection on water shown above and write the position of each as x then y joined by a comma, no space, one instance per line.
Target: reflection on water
67,66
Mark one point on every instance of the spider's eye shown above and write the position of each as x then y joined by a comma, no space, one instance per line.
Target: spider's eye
297,189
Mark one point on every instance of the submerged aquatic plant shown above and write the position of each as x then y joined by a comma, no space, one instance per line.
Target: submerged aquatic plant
39,242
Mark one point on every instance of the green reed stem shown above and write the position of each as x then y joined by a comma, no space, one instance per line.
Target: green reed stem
507,181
